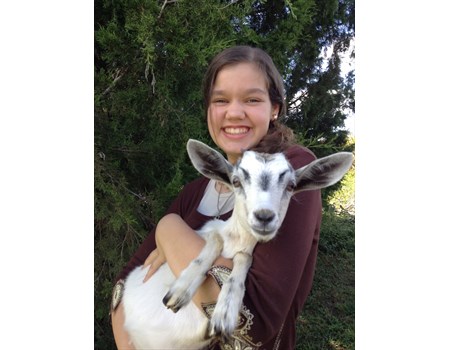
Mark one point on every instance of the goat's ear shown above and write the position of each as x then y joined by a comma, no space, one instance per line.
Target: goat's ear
209,162
323,172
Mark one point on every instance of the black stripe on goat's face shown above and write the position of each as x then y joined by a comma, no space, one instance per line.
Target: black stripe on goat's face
261,184
264,181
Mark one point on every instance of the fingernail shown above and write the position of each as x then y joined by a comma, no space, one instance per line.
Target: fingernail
143,266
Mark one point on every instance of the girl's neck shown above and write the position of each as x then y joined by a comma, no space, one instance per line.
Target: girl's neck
221,188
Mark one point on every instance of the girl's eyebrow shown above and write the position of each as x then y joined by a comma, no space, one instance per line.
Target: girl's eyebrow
248,91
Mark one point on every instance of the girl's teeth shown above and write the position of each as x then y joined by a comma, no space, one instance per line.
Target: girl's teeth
235,130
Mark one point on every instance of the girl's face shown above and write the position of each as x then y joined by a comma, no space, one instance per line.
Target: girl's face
240,109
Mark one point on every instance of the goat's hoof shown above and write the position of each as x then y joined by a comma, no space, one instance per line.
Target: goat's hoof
172,303
215,330
208,334
166,299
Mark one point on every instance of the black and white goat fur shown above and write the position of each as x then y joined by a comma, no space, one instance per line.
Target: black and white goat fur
263,185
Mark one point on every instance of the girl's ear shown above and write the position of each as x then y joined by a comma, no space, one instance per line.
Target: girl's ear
275,112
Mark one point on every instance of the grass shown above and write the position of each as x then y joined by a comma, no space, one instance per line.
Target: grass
327,321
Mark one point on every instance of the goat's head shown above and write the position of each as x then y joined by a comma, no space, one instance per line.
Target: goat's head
264,183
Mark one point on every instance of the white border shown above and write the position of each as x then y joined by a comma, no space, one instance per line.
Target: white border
46,142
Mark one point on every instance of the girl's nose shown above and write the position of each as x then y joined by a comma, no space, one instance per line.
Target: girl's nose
235,110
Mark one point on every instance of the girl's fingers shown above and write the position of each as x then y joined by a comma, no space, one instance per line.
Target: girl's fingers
151,257
154,266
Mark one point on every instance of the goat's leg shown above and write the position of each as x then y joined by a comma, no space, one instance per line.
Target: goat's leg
226,312
194,274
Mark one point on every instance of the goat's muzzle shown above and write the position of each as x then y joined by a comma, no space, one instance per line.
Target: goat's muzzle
264,224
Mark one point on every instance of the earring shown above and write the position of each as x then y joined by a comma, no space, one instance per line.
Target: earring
275,116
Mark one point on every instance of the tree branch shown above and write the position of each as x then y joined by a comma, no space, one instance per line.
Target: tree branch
231,3
118,74
164,5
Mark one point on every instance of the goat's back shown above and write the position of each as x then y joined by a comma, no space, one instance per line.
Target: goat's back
150,324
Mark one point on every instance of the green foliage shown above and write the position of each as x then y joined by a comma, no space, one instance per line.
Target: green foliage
121,221
319,98
150,57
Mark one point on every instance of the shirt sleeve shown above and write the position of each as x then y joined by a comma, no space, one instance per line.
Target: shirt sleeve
149,244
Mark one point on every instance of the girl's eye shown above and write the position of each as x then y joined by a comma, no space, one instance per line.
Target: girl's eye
220,101
253,100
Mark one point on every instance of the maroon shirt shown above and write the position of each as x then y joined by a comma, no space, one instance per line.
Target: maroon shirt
281,275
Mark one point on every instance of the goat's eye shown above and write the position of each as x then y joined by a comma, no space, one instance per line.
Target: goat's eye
290,187
236,182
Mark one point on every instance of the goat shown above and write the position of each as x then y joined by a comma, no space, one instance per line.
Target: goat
263,185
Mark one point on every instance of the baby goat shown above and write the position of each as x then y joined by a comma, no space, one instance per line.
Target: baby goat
263,185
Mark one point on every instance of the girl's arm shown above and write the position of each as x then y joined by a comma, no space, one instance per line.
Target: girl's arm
120,335
179,245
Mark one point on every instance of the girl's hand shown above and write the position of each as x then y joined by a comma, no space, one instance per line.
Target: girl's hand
153,261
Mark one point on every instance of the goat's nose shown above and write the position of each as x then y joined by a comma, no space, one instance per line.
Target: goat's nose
264,215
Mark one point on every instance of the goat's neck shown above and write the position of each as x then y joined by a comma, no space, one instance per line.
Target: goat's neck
237,235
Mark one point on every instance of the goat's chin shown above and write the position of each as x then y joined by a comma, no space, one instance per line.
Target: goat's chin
263,235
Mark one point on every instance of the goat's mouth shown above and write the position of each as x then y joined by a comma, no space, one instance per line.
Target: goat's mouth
263,234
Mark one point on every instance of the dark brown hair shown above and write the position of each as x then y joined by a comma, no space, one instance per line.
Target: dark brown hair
279,136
